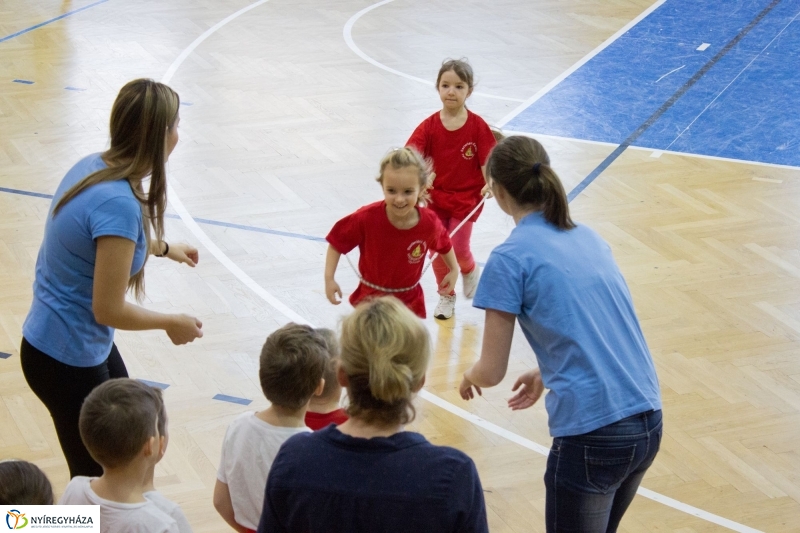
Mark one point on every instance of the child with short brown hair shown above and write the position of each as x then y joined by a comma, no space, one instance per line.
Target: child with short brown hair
291,366
24,483
123,425
324,409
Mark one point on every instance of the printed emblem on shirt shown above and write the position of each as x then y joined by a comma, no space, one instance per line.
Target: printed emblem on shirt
469,150
416,251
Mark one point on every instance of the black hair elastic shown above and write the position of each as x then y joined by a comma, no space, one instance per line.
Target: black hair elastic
535,168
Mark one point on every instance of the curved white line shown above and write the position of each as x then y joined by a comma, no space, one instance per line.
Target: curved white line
348,38
282,308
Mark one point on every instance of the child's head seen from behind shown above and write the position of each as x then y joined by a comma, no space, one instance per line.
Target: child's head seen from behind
121,419
292,363
332,388
24,483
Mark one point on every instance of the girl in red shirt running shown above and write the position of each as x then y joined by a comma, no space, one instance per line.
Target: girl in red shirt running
394,237
458,142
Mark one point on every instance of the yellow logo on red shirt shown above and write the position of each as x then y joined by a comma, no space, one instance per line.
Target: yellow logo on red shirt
469,150
416,251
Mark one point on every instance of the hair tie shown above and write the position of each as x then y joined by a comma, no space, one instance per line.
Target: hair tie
535,168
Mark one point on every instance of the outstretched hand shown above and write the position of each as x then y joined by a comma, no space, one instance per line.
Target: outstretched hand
465,389
487,191
184,253
532,389
183,329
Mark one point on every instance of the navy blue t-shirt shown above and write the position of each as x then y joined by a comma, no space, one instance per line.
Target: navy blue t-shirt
330,482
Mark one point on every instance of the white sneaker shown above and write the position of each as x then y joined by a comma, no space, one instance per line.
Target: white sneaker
445,307
470,281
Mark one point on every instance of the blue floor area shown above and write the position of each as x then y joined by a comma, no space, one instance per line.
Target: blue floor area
745,107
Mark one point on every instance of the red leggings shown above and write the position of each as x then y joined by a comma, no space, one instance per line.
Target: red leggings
466,263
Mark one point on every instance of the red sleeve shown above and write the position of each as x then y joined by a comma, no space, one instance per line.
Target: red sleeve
347,233
440,243
486,141
419,139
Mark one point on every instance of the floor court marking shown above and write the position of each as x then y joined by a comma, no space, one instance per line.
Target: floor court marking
190,222
45,23
585,59
731,82
618,151
347,33
646,149
289,313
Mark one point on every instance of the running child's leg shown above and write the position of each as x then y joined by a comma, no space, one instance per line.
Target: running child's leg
466,262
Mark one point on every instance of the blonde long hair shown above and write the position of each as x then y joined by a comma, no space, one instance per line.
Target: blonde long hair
142,113
385,353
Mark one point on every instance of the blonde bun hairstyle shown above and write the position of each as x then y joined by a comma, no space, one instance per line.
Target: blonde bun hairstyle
385,353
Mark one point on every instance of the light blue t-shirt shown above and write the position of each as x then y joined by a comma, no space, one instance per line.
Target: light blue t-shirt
61,322
576,312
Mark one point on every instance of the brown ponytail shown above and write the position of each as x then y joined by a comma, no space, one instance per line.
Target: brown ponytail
521,165
142,113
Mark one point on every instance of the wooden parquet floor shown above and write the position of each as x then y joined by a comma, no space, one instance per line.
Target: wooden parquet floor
282,129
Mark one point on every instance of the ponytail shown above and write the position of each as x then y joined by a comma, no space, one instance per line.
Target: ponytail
385,353
521,165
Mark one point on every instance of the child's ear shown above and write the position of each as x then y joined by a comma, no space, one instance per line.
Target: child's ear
162,446
151,447
341,377
320,387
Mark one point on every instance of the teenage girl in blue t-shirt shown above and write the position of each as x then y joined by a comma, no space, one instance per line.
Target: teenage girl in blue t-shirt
561,283
96,241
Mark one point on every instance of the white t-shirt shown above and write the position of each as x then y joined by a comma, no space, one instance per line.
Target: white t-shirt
117,517
248,450
171,508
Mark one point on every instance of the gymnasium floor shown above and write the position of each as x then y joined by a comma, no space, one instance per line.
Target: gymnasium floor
675,125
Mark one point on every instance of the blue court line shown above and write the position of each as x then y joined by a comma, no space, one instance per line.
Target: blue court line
70,88
26,82
4,355
207,221
232,399
26,193
256,229
669,103
45,23
155,384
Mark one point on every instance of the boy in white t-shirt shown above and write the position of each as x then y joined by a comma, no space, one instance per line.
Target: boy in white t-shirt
292,362
123,424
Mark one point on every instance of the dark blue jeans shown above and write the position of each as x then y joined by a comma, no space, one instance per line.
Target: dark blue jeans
591,479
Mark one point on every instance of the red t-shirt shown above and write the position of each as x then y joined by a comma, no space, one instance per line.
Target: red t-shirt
322,420
457,160
390,257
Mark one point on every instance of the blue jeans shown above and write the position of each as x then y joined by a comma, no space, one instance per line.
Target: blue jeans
591,479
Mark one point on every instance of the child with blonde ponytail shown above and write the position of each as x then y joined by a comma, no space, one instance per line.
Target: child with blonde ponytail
369,474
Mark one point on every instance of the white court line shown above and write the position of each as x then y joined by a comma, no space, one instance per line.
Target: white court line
348,38
282,308
645,149
546,89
